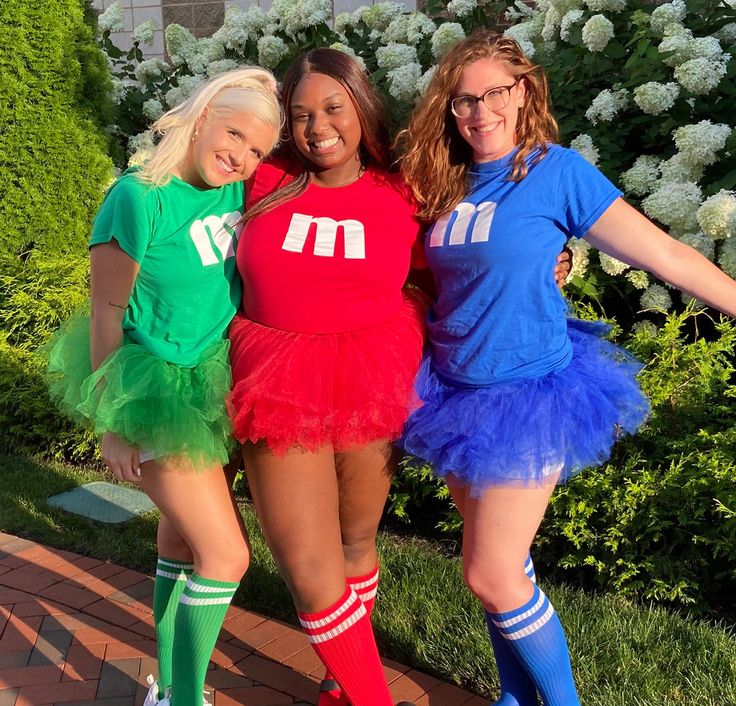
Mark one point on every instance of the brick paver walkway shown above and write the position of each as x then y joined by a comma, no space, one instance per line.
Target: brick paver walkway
78,631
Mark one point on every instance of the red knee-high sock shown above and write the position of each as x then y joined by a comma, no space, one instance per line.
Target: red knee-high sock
342,636
366,587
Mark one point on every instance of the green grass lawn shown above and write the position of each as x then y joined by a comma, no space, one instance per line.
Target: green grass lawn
622,653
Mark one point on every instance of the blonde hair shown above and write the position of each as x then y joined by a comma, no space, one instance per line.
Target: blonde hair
436,158
246,90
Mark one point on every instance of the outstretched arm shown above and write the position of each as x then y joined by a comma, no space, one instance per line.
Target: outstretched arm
630,236
113,274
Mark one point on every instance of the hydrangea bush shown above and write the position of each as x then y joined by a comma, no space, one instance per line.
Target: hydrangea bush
645,91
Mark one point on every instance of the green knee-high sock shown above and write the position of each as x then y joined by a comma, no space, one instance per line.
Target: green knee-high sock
201,611
171,577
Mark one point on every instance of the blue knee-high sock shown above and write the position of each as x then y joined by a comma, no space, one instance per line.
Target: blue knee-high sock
535,636
517,688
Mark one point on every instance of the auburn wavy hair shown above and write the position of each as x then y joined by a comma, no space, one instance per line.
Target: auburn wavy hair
375,142
436,159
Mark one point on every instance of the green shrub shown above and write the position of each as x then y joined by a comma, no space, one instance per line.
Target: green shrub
658,521
54,97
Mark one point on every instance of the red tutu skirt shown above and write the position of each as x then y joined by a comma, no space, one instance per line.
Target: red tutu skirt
307,390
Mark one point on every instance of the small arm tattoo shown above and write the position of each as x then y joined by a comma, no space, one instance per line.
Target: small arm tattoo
117,306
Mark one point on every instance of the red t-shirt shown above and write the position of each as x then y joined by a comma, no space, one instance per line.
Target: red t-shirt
330,260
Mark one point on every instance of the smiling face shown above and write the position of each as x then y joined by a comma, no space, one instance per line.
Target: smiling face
325,128
491,134
226,150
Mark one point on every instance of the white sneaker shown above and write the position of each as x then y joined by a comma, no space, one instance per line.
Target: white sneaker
152,694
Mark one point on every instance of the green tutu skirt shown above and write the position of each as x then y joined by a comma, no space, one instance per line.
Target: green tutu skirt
167,409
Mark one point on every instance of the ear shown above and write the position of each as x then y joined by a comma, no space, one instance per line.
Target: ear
201,119
521,92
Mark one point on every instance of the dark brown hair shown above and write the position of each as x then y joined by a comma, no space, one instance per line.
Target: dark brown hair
375,144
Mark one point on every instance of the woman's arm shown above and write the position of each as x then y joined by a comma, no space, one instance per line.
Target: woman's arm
112,275
628,235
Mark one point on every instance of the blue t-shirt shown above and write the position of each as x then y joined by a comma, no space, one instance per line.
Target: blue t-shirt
499,316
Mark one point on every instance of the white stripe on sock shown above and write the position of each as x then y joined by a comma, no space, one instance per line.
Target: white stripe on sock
533,627
364,584
176,564
190,600
518,618
200,588
367,596
175,577
312,624
338,629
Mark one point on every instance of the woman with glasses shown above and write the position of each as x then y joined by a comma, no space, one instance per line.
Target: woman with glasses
517,398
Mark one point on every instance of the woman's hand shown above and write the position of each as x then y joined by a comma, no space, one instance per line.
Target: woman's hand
563,267
121,458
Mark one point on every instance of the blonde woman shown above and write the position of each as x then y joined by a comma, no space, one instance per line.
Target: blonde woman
515,397
149,370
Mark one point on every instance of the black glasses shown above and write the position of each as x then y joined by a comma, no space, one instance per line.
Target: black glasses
497,98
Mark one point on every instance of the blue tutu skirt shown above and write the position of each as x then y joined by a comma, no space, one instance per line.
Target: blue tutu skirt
525,431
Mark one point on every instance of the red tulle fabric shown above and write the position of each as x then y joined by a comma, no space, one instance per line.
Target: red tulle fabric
308,390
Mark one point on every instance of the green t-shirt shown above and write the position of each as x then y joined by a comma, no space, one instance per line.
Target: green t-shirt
184,239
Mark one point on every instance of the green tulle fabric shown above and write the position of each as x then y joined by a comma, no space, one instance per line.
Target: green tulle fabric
172,410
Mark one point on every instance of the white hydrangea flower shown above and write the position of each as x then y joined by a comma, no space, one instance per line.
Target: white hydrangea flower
418,27
564,6
518,11
605,5
638,279
295,17
646,327
378,16
140,148
606,105
445,36
727,34
727,256
656,297
671,12
674,204
702,243
151,70
403,82
461,8
425,78
345,49
679,168
717,215
597,32
552,21
119,89
522,34
343,20
610,265
152,109
143,33
239,25
570,19
700,142
641,177
654,98
180,43
580,256
221,66
111,20
187,86
584,145
705,48
271,50
394,55
677,39
700,76
396,30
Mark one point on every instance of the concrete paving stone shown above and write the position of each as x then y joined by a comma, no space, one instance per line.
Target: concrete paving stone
279,676
39,607
84,662
18,658
20,633
51,648
253,696
118,678
73,596
62,693
8,696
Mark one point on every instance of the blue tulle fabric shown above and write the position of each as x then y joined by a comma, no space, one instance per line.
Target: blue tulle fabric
523,432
